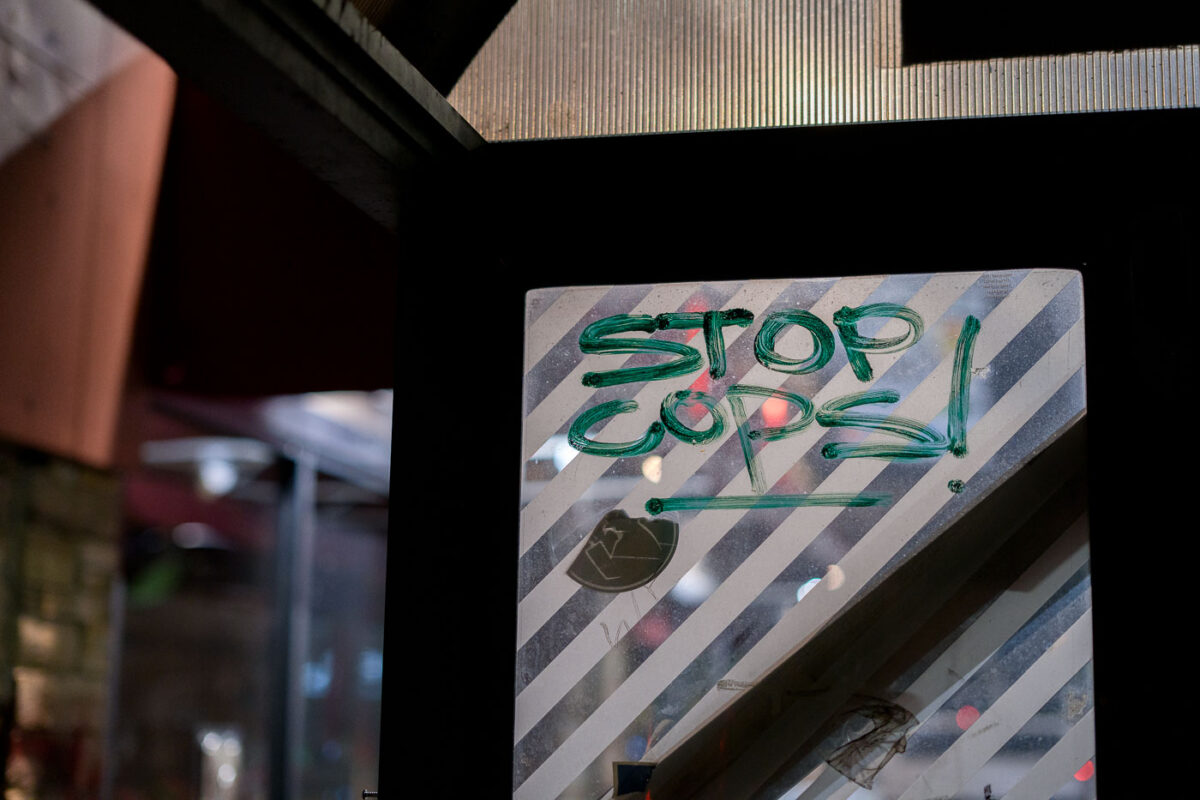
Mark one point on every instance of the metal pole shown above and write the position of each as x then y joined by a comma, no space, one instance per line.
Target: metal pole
295,539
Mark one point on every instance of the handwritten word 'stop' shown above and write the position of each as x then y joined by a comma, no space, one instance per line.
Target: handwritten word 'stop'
602,337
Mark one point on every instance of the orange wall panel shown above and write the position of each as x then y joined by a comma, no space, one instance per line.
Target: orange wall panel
76,212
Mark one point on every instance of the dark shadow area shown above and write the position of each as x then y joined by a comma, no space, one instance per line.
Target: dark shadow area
262,279
942,30
1109,195
439,37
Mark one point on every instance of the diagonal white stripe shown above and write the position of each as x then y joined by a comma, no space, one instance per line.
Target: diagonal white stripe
876,548
937,295
919,504
560,317
703,532
817,785
873,552
996,625
561,404
682,462
1000,621
843,793
1060,763
1008,714
678,465
567,486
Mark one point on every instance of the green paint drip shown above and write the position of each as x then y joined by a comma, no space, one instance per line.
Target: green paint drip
927,443
856,345
577,436
713,324
714,335
960,387
757,483
659,505
801,402
594,340
747,435
686,399
773,326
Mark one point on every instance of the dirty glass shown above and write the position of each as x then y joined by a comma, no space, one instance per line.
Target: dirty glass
712,471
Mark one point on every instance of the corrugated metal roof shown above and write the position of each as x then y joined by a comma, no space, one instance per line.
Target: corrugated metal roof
558,68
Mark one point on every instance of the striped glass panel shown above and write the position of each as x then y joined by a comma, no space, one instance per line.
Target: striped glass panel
658,580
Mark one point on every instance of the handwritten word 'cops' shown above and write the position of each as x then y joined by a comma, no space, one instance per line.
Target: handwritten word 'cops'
920,441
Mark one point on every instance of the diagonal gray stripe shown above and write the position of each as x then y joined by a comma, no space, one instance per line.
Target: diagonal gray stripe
906,516
570,396
700,535
573,612
1014,708
740,636
1013,609
549,318
1060,763
617,663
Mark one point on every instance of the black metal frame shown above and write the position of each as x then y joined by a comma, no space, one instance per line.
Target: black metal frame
1112,195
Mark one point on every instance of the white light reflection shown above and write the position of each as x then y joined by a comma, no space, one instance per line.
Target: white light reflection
652,468
563,453
557,449
806,587
216,477
226,774
834,577
370,666
694,587
317,676
221,763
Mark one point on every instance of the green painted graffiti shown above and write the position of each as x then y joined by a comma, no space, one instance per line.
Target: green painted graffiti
916,440
774,325
747,435
685,399
661,505
857,346
577,436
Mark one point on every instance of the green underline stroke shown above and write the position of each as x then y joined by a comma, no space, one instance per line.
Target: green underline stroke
660,505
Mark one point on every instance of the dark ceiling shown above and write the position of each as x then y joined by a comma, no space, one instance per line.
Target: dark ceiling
261,279
439,37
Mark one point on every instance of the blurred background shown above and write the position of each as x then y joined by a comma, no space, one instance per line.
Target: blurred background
196,431
223,228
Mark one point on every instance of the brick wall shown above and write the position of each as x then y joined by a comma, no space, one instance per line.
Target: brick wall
59,526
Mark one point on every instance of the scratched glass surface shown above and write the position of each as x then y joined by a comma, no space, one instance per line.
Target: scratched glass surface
644,605
1018,723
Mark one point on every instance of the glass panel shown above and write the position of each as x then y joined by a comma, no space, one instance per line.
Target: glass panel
342,678
715,470
192,709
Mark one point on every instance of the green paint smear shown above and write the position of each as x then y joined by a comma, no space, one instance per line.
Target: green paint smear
594,340
960,387
774,324
927,443
714,335
847,320
746,436
578,439
956,486
713,324
783,431
660,505
670,406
